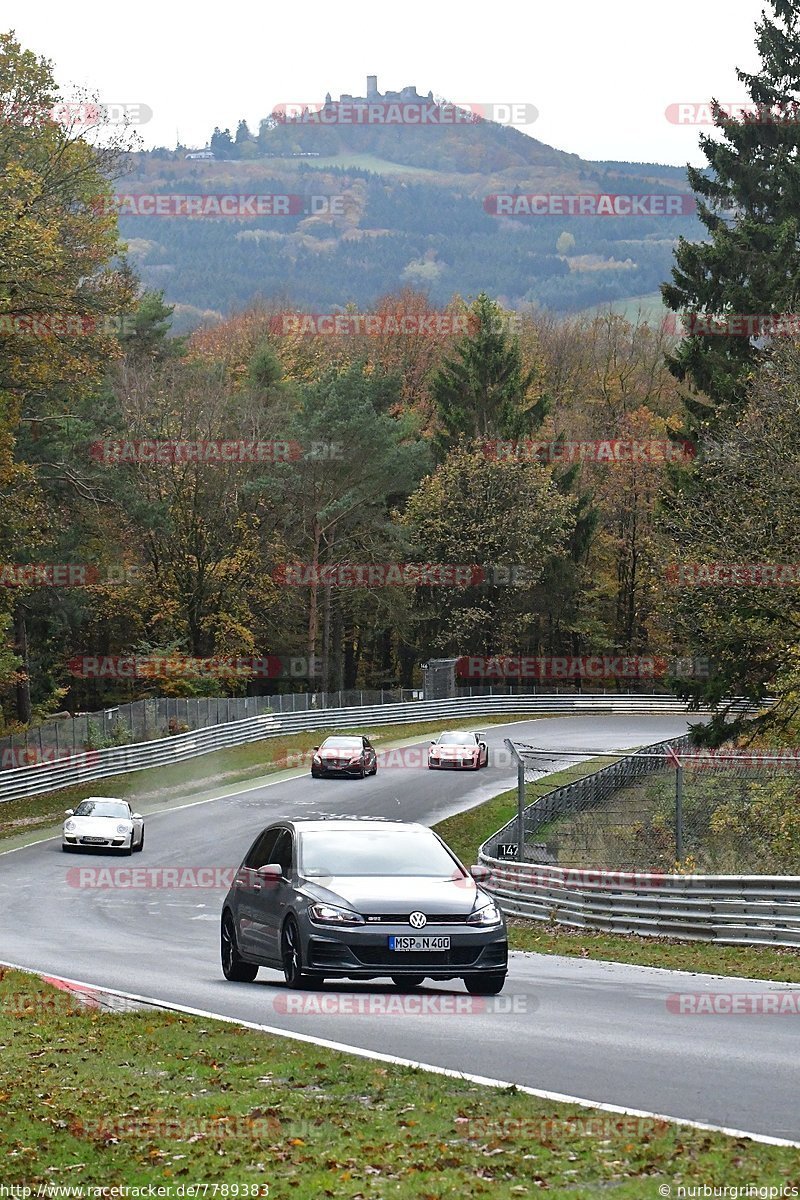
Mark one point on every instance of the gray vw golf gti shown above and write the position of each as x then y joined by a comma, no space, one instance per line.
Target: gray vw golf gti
360,899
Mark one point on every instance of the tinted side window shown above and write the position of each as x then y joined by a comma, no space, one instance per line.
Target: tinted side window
263,850
283,852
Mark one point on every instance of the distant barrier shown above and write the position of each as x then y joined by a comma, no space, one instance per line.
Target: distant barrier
117,760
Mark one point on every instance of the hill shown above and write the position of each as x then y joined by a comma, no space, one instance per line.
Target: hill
403,206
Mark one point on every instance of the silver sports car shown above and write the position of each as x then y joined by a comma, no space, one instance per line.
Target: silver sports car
356,899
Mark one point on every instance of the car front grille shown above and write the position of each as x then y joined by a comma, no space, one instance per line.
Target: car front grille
402,919
382,956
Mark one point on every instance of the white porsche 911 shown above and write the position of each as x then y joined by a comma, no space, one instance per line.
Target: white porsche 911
103,822
456,749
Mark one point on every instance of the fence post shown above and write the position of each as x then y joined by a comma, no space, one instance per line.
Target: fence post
521,810
679,813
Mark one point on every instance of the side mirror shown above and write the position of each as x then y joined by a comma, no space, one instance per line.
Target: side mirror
315,748
270,872
69,812
137,816
480,873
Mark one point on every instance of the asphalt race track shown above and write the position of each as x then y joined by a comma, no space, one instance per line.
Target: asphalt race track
604,1032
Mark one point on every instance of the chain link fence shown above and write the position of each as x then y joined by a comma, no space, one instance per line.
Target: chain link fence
150,720
667,808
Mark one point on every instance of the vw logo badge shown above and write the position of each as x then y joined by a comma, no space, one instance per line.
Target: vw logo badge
418,920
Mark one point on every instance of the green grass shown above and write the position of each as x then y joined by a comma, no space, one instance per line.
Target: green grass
780,963
363,162
467,831
158,787
111,1099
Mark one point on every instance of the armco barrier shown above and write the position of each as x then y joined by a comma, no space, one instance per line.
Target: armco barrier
735,909
99,764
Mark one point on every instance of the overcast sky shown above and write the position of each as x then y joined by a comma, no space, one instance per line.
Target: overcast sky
600,74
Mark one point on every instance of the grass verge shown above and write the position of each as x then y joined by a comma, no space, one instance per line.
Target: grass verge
465,832
156,786
105,1100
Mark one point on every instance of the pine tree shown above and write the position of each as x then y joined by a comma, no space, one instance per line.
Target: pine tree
482,390
749,201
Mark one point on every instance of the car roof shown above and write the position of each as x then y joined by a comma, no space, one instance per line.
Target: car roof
116,799
302,825
457,733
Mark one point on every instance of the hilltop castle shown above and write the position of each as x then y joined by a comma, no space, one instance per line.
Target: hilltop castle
373,96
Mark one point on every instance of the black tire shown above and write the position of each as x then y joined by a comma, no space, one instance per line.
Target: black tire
140,847
234,967
361,772
484,985
374,770
129,848
405,983
292,958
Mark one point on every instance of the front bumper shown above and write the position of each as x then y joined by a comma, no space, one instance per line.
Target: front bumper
453,764
95,843
362,952
330,770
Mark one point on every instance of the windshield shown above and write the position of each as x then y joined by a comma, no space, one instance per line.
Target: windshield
102,808
342,743
457,739
388,852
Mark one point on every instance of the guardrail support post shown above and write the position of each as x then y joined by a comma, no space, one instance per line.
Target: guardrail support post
679,812
520,811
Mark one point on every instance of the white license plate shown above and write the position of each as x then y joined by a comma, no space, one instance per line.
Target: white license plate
419,943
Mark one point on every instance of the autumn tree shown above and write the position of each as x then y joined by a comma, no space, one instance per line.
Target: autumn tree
504,516
742,514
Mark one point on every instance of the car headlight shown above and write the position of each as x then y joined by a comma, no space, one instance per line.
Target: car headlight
329,914
123,828
69,826
488,915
